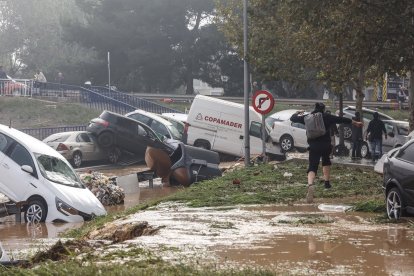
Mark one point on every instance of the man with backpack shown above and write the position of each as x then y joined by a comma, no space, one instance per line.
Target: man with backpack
317,126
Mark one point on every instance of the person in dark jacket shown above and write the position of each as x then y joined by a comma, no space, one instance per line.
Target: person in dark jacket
356,137
320,147
374,135
333,130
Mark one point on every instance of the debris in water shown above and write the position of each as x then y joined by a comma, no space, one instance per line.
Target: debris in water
104,188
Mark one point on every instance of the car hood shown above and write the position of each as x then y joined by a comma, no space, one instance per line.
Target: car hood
81,199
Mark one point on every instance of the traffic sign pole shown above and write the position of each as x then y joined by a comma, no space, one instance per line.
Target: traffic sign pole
263,103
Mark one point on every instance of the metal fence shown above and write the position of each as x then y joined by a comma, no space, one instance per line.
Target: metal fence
16,87
42,133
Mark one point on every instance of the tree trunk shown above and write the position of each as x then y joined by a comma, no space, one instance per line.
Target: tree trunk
189,83
411,100
358,89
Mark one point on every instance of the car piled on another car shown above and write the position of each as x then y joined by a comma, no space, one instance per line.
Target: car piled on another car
168,158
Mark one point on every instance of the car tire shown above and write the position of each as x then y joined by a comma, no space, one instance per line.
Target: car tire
113,155
286,143
394,204
36,211
106,139
77,159
365,150
347,132
202,144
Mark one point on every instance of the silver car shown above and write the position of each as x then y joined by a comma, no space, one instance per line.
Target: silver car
367,114
398,135
79,146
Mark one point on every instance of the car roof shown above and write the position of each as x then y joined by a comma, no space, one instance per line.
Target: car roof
147,128
368,110
396,122
284,114
181,117
31,143
59,134
151,115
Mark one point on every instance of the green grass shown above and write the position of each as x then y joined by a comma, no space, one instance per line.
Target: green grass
32,113
265,184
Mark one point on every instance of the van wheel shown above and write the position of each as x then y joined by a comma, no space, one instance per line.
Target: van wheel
36,211
77,159
286,143
106,139
365,150
202,144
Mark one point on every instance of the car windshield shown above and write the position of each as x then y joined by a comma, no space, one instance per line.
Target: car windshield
58,171
175,133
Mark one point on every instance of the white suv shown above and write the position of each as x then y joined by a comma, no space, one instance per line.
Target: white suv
40,181
159,125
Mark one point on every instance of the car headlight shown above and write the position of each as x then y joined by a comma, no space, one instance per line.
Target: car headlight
65,208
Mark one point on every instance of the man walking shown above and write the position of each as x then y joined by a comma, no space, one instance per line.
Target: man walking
356,137
374,135
320,147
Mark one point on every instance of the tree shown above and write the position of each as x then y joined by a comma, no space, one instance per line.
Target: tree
155,45
31,37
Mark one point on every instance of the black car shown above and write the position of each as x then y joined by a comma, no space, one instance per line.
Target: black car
399,181
115,130
167,158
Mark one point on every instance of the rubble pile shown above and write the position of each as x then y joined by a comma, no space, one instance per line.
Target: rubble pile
104,188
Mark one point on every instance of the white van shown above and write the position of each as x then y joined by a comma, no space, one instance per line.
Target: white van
41,182
218,125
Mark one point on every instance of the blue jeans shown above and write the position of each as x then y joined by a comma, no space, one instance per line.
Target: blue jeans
376,148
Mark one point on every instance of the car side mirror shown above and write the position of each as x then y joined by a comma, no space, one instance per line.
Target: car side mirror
27,168
391,134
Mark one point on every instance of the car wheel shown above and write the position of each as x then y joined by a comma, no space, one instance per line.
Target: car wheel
394,204
365,150
202,144
77,159
114,155
286,143
106,139
36,211
347,132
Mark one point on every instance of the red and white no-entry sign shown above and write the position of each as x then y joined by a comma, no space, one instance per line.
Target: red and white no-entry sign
263,101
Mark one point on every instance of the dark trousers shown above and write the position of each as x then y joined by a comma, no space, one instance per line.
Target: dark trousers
356,148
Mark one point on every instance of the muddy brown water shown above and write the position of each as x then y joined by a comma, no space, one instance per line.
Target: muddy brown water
252,237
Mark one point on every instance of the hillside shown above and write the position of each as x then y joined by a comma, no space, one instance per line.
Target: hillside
33,113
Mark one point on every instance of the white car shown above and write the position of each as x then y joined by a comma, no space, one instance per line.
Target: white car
368,115
159,125
288,134
41,181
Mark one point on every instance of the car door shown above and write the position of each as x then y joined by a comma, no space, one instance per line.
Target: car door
299,135
403,169
86,146
15,183
389,143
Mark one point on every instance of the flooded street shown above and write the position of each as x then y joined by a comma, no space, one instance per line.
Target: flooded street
296,239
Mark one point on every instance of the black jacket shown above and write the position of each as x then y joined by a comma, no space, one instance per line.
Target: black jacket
328,120
375,129
356,131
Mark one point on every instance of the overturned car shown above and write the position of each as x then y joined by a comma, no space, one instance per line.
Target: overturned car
40,182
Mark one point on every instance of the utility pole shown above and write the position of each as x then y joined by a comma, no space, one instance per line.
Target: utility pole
246,89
